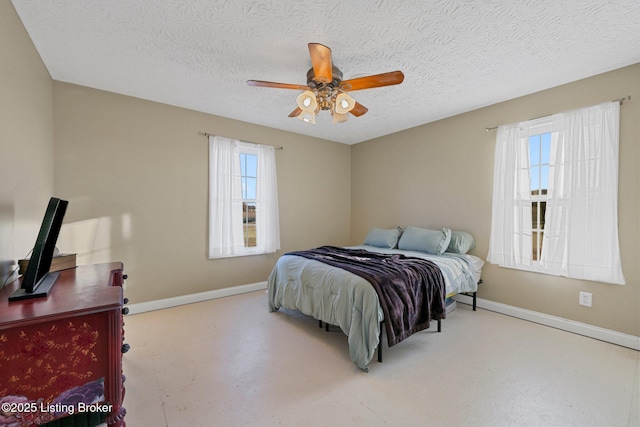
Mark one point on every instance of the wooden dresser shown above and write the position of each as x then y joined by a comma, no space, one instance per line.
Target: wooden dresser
62,355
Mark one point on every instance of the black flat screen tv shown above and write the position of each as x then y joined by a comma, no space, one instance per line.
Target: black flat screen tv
37,281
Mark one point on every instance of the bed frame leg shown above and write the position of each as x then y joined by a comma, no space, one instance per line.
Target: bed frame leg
320,324
380,344
439,325
475,294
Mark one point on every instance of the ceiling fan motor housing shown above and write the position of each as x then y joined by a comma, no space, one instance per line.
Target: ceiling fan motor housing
325,91
313,82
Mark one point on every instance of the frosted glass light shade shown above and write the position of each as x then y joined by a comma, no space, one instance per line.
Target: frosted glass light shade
339,118
344,103
308,116
307,101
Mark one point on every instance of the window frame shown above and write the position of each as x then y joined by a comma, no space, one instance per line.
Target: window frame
249,149
538,127
246,150
537,199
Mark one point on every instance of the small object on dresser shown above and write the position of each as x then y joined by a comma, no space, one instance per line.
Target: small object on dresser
59,262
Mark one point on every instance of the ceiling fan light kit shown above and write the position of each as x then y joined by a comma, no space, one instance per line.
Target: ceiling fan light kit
326,90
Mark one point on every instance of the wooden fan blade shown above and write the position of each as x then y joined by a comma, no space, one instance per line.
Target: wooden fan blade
321,62
262,83
358,110
296,112
377,80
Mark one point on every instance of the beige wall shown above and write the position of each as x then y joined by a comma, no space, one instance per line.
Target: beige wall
135,175
440,175
26,139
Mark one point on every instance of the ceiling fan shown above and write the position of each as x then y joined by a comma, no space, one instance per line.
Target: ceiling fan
325,89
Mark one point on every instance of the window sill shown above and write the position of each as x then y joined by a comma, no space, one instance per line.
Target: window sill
534,268
241,254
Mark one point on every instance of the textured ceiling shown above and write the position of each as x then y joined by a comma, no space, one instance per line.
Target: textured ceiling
456,55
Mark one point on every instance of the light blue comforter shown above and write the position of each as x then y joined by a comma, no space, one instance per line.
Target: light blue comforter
341,298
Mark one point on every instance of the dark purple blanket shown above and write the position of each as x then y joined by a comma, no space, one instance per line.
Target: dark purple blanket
411,290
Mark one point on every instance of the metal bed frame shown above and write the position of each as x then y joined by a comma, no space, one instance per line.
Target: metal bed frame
471,294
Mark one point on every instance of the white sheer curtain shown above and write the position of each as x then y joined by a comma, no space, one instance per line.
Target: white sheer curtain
226,238
581,230
225,198
581,222
267,214
510,240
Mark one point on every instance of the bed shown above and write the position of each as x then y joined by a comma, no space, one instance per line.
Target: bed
339,297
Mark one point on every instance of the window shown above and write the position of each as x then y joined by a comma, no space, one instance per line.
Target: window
249,176
243,199
555,195
539,149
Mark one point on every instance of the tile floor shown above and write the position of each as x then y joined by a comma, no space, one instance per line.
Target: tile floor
229,362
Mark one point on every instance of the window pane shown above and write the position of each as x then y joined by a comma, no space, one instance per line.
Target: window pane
252,165
534,150
537,245
249,224
544,178
251,188
534,176
243,164
546,147
543,211
244,186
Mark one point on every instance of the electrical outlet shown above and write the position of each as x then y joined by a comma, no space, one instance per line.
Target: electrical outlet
585,299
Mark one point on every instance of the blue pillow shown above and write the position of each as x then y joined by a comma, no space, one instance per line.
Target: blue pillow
461,242
383,238
424,240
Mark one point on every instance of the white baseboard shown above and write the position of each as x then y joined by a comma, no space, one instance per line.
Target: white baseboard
191,298
607,335
602,334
